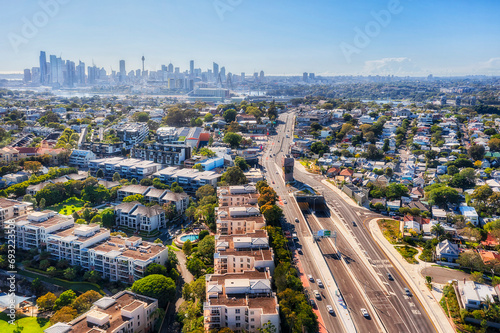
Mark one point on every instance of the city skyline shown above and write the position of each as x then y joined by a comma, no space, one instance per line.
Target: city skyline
328,38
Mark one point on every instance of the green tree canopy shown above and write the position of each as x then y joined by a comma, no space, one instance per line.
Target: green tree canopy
157,286
234,176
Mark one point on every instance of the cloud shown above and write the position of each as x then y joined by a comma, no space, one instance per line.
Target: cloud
491,66
391,66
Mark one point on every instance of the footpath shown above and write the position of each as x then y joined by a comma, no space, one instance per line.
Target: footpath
417,282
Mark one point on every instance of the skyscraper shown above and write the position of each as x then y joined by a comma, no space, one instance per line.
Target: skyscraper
43,68
123,72
261,76
191,67
216,70
304,77
170,68
80,73
223,72
27,75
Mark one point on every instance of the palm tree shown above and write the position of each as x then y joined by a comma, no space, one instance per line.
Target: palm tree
438,230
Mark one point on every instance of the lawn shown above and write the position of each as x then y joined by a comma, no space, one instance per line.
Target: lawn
173,247
390,229
76,286
69,206
29,324
408,253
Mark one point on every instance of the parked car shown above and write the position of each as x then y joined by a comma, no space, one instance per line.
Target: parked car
313,303
297,219
284,201
365,313
299,250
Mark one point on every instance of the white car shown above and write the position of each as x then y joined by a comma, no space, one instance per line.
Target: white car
316,294
364,313
284,201
310,277
320,284
329,308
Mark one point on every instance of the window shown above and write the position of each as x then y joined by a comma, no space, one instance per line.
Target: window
252,319
238,325
237,317
237,311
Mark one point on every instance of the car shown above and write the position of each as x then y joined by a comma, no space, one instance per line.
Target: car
316,294
310,277
284,201
365,313
299,251
277,172
312,302
407,292
273,181
389,276
319,283
354,223
329,308
297,219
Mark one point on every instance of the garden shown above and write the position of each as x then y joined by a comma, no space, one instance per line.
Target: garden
68,206
26,324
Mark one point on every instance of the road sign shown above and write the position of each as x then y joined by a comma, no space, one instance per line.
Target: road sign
324,233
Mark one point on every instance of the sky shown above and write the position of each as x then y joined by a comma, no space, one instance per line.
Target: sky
328,37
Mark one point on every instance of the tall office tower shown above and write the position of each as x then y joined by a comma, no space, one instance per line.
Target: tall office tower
177,70
138,73
311,76
262,76
242,76
229,81
216,70
143,63
304,77
92,73
223,72
35,74
123,72
27,75
53,69
163,68
170,68
43,68
256,76
69,74
80,73
191,67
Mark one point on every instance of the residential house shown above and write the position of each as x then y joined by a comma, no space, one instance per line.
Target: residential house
447,251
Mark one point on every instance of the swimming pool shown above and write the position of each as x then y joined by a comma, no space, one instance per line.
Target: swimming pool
190,237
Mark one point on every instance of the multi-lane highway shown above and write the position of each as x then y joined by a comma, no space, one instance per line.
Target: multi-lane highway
391,310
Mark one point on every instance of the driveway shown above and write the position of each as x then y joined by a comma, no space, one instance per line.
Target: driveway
442,275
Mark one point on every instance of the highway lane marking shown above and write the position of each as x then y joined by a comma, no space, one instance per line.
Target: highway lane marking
416,312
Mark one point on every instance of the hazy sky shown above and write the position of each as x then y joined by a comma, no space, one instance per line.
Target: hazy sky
334,37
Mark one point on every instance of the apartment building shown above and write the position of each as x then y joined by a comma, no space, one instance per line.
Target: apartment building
126,167
240,301
121,313
239,253
134,216
131,133
238,220
165,154
33,229
151,194
189,179
237,195
114,257
10,209
81,158
102,149
190,136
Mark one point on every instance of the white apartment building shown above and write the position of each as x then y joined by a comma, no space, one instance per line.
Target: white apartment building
238,220
240,301
126,167
131,133
151,194
114,257
122,313
81,158
135,216
237,195
189,179
10,209
33,230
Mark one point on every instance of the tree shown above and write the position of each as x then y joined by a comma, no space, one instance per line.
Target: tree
395,191
386,148
146,182
373,152
208,118
41,204
203,234
65,299
206,248
233,139
442,195
155,268
141,117
389,172
196,266
92,276
176,188
32,166
471,259
494,144
477,277
96,194
99,173
319,148
70,273
187,247
51,271
452,170
273,214
44,264
116,177
241,163
234,176
83,302
46,302
37,286
268,328
108,218
64,315
134,197
157,286
205,191
437,230
316,127
230,115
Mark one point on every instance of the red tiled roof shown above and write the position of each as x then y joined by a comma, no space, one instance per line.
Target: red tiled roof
490,241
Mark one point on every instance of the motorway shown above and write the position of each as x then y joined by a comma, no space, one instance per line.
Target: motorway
361,286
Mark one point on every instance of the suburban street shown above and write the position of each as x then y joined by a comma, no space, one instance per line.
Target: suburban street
362,287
